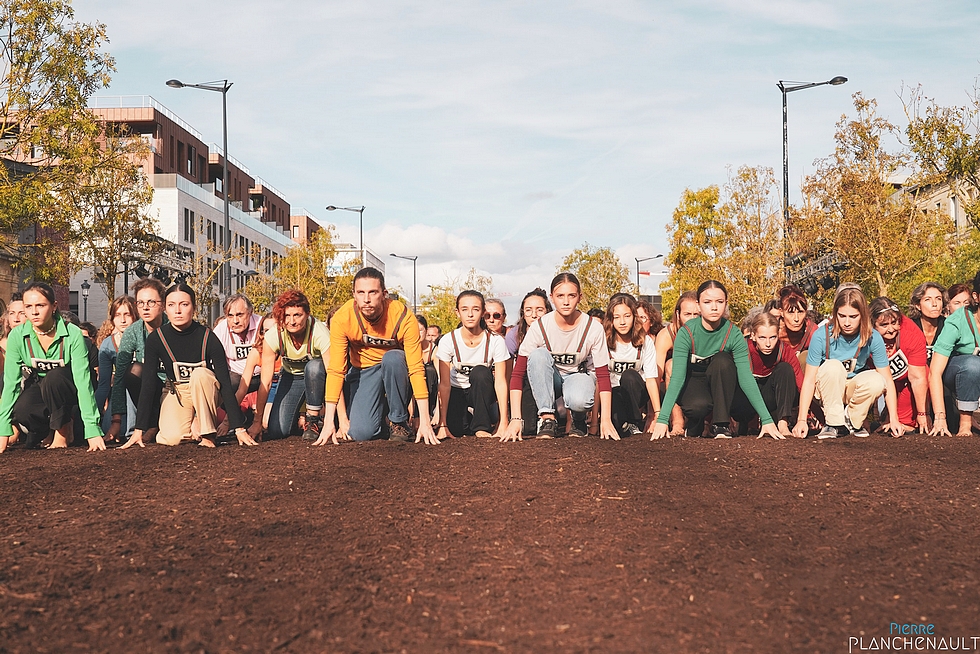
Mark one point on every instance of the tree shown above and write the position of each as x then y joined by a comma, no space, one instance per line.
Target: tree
103,196
313,268
439,304
52,65
600,272
731,236
854,207
945,142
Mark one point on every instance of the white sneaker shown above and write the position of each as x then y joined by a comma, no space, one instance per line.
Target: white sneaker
827,432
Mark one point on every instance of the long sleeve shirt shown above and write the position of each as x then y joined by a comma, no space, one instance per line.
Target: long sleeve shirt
107,363
130,351
763,364
69,347
358,343
186,346
708,343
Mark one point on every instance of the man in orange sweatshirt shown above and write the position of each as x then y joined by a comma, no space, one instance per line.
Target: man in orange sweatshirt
375,355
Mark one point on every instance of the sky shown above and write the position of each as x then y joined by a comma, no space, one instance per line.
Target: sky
502,135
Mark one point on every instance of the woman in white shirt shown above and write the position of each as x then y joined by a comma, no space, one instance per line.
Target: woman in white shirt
472,374
632,367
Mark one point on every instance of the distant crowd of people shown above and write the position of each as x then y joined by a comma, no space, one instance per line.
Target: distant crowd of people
374,370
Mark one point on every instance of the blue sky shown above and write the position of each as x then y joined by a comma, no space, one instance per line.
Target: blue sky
501,135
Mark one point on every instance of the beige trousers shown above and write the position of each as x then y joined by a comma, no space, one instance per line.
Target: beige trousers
834,390
200,396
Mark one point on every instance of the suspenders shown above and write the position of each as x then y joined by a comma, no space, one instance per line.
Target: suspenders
581,343
459,359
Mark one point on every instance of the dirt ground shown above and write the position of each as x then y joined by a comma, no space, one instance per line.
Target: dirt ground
475,546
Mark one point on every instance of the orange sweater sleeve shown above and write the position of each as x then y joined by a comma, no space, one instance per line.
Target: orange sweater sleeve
343,327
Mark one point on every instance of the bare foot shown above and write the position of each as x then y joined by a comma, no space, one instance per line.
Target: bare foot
206,442
784,429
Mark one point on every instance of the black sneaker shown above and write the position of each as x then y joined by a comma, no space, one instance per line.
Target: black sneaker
580,425
720,431
313,426
400,432
548,428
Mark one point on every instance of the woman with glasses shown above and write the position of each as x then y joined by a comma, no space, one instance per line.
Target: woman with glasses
197,378
129,360
534,305
906,349
495,317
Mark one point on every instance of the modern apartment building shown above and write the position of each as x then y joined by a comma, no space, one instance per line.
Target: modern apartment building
185,172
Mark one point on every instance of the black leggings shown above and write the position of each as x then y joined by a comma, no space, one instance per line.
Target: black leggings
46,404
134,384
779,392
480,396
708,389
629,399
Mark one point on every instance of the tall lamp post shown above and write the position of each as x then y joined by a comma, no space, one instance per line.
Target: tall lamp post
86,287
414,260
220,86
639,260
360,214
788,87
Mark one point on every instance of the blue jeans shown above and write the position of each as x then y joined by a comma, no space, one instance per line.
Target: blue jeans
547,383
962,376
367,390
291,392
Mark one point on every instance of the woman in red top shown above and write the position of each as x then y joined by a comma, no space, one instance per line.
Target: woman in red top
796,329
906,348
777,371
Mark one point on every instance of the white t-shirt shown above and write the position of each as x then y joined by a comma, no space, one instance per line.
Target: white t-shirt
462,359
625,357
236,348
584,344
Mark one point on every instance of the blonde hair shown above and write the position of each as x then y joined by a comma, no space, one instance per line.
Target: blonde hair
854,298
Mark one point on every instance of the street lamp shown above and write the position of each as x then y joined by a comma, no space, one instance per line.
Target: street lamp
414,260
360,213
788,87
220,86
638,261
85,291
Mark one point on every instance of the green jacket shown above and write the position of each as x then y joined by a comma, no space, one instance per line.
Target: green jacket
69,344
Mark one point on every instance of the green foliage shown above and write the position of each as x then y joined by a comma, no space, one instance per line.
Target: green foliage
312,268
600,272
946,145
439,304
853,207
102,198
731,236
52,65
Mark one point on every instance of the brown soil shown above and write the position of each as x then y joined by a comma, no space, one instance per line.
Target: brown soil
568,545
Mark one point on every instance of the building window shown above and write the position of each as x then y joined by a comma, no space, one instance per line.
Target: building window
180,155
190,160
190,225
173,153
219,185
295,231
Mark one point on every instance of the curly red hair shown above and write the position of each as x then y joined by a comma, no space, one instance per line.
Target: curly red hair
290,298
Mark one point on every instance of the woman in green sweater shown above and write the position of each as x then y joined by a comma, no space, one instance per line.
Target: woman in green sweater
717,361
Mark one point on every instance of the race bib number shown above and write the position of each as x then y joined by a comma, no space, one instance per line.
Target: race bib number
697,359
466,368
46,365
850,365
898,365
619,367
242,351
373,341
564,359
182,371
929,353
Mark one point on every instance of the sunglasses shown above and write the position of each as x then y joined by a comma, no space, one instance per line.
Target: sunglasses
494,316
